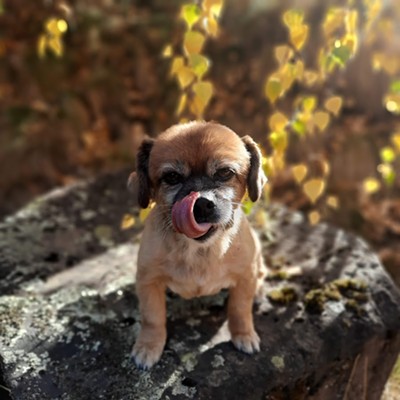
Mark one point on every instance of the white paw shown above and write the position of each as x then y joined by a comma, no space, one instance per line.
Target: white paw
248,343
146,354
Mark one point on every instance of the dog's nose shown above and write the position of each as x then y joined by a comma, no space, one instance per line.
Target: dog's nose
204,210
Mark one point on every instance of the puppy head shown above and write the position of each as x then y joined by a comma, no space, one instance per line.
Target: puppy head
198,173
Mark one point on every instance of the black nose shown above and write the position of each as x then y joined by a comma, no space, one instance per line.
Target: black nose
204,210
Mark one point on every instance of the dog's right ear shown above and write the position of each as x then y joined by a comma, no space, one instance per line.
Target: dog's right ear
139,181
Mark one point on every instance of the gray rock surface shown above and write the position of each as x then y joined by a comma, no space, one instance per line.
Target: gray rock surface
329,319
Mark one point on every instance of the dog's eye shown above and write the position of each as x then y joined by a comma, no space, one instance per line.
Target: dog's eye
224,174
172,178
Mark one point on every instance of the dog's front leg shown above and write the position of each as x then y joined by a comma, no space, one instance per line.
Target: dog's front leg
151,340
240,316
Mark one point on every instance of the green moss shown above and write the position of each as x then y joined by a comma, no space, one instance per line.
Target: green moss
284,295
353,291
279,275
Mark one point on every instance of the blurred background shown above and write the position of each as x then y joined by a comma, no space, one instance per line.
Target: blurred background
316,83
81,83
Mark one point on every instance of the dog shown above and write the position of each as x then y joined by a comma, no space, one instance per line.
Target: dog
197,240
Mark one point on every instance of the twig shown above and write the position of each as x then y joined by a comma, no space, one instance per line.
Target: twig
351,377
5,388
365,383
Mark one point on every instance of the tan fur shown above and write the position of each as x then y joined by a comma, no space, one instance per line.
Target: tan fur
231,258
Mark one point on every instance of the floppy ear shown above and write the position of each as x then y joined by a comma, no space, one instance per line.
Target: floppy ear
256,178
139,181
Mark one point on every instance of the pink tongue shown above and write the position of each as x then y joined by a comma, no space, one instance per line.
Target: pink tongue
183,219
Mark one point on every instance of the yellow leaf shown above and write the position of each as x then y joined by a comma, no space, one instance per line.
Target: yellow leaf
314,188
278,141
197,107
42,45
185,77
293,18
310,77
371,185
277,121
387,154
314,217
182,104
273,88
193,42
392,103
333,105
167,51
321,120
334,20
199,64
396,141
128,221
190,13
62,25
203,92
389,63
332,201
351,20
144,212
287,75
51,27
283,54
211,25
299,172
267,165
177,64
298,36
213,7
309,103
55,44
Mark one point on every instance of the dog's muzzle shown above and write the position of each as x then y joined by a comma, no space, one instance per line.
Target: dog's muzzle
194,216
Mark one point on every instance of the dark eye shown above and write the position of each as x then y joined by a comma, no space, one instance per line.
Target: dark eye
224,174
172,178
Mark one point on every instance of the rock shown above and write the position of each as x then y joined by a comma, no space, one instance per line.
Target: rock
329,318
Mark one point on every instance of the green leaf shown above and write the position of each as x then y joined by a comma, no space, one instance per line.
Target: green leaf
247,206
395,87
388,174
341,55
273,88
299,127
190,13
387,154
199,64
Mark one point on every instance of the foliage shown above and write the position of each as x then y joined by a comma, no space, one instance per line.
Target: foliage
188,64
344,29
52,38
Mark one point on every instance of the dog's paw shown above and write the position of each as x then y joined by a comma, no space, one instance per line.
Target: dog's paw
248,343
146,354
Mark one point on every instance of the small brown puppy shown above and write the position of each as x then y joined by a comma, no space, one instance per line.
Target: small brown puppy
196,239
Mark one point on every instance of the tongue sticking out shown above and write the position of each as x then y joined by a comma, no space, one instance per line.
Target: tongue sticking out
183,218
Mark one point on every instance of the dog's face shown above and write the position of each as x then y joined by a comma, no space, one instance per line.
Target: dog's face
198,173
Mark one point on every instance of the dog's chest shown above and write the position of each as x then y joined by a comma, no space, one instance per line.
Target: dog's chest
197,273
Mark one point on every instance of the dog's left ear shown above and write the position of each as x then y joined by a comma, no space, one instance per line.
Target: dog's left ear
256,178
139,182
